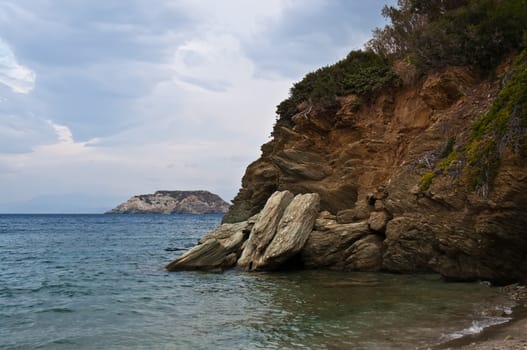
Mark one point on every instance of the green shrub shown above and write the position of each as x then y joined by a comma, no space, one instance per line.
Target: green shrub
505,125
448,162
448,148
426,180
361,73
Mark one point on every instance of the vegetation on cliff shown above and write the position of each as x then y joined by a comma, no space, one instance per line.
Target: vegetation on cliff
431,35
360,73
504,126
439,33
428,34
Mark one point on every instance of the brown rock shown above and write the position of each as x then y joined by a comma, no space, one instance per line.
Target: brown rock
359,213
383,146
378,220
365,254
440,90
327,247
379,205
324,218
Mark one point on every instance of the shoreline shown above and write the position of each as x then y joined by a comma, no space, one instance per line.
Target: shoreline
511,335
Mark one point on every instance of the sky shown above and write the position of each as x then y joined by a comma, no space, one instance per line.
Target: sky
103,100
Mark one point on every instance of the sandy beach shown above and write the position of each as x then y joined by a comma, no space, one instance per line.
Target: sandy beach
512,335
508,336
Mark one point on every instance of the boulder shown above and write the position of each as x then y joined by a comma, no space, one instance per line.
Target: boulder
264,229
327,246
378,220
293,231
208,255
365,254
218,249
360,212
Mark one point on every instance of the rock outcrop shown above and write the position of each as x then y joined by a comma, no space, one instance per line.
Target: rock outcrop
392,171
219,249
342,247
264,242
293,230
173,202
289,231
265,229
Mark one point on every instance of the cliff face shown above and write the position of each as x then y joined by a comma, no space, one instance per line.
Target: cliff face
173,202
400,162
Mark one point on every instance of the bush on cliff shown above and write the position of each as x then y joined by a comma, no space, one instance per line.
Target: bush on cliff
438,33
503,127
360,73
429,33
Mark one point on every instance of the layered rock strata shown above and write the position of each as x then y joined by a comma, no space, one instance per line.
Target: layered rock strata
219,249
289,230
395,165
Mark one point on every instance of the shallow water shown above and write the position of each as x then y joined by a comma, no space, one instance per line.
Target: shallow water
97,282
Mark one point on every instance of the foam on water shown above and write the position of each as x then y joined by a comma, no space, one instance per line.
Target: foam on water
487,320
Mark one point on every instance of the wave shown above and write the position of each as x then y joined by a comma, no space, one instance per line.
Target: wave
499,315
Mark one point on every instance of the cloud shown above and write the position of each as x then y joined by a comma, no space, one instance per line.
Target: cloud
139,96
18,78
20,132
63,133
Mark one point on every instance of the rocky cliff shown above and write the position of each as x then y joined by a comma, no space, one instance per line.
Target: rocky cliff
439,182
414,151
173,202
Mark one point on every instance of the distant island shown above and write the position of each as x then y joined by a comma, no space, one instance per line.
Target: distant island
173,202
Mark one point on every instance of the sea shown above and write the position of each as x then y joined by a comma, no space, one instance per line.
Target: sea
98,282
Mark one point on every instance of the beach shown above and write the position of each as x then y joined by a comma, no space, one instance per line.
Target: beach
507,336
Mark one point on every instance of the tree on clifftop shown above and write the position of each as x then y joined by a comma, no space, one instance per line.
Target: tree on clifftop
437,33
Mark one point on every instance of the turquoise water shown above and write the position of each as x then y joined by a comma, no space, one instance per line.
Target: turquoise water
97,282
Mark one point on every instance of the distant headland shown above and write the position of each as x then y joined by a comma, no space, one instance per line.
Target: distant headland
173,202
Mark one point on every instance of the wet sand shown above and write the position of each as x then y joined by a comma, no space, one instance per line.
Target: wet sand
511,335
507,336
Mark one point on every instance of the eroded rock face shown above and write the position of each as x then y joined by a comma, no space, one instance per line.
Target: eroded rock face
342,247
327,246
264,242
378,221
367,162
366,254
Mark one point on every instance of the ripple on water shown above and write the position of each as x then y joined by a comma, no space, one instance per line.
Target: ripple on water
97,282
59,310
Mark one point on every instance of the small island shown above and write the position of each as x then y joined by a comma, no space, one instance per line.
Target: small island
173,202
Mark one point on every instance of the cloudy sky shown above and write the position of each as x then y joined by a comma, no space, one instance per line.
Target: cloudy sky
101,100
